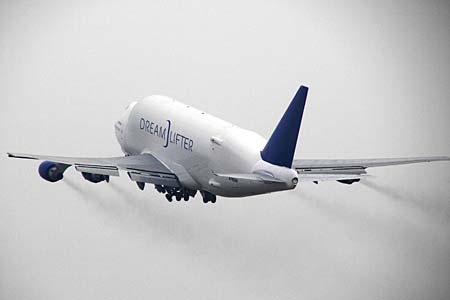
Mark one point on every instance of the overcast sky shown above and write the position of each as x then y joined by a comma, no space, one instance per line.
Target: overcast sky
379,79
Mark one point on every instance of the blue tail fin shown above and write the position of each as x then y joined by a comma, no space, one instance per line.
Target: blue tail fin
281,146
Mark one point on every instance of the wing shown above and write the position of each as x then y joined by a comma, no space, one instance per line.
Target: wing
141,168
349,170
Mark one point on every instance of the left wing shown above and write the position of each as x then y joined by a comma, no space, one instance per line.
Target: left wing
141,168
349,170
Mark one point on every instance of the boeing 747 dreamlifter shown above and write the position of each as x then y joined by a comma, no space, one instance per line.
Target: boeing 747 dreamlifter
182,150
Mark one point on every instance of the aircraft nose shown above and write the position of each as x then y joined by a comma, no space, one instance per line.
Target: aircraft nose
123,120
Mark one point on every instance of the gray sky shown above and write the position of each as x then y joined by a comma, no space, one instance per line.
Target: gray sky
379,87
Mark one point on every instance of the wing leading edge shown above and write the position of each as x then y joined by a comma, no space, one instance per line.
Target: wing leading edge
349,170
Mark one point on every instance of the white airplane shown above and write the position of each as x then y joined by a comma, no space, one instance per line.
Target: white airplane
182,150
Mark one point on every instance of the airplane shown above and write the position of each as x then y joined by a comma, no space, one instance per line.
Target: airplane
182,150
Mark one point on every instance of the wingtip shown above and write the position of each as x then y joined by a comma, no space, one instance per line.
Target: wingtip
443,158
19,155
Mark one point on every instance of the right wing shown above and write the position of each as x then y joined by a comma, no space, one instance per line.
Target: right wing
141,168
349,170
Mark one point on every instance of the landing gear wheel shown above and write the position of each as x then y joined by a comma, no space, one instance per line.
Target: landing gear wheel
160,188
141,185
178,197
208,197
169,197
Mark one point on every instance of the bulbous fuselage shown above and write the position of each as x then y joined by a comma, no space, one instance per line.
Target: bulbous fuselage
198,146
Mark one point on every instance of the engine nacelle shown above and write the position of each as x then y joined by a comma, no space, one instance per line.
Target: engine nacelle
95,178
51,171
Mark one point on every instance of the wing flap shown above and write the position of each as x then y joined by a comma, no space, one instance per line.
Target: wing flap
329,177
102,170
155,178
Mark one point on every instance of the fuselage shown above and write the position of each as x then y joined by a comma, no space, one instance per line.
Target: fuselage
198,147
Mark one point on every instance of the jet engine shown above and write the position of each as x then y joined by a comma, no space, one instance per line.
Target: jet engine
95,178
51,171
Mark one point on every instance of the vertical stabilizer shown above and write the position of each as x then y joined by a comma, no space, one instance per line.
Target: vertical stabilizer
281,146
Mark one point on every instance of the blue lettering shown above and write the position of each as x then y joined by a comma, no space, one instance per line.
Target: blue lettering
166,134
151,127
156,130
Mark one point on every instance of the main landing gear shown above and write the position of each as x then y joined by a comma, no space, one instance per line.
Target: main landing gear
183,193
208,197
178,193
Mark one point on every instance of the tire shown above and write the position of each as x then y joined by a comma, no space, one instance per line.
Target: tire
169,197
